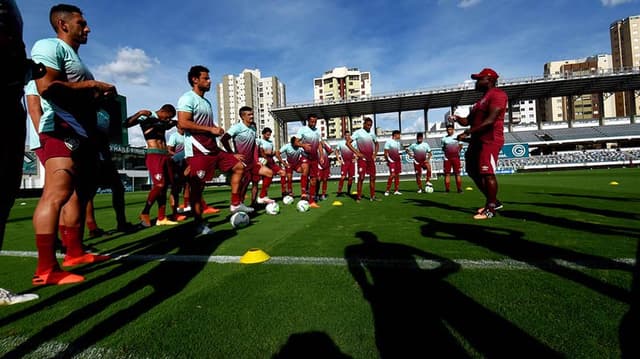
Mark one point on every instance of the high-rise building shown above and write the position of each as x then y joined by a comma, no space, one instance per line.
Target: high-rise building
249,88
524,111
341,84
585,106
625,53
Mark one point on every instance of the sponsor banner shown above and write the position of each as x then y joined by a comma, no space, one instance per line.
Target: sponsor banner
515,150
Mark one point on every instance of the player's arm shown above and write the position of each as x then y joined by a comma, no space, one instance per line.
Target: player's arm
35,110
463,121
305,146
185,120
262,153
225,140
52,86
339,156
355,150
409,152
133,119
278,155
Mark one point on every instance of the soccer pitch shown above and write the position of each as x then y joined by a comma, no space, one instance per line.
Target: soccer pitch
555,274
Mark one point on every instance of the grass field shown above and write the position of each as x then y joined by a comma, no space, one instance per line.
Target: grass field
555,274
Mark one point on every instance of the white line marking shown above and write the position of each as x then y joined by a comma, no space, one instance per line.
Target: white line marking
614,263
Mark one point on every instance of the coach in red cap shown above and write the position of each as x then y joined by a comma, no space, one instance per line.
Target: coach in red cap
485,137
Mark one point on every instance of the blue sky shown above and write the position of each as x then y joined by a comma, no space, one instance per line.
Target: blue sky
145,47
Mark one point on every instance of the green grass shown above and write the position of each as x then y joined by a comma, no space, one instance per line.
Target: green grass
573,308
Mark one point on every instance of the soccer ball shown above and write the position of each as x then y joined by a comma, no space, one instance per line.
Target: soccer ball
273,208
239,220
302,206
287,200
428,189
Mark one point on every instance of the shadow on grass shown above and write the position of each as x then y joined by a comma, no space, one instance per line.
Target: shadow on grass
571,207
630,324
565,223
310,345
591,196
511,243
416,311
167,280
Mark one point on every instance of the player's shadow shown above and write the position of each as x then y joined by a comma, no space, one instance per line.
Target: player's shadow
562,262
630,324
416,310
591,196
422,202
591,211
167,279
310,345
563,222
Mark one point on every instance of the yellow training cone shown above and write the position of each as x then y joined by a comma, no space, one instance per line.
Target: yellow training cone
468,189
253,256
354,192
336,203
613,183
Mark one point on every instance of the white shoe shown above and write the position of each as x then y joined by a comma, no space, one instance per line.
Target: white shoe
203,230
386,194
8,298
420,190
397,193
429,184
240,208
265,200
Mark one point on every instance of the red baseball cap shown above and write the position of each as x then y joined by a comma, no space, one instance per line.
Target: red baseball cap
485,73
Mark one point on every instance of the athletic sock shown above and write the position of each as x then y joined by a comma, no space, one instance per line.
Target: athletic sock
74,241
266,182
45,243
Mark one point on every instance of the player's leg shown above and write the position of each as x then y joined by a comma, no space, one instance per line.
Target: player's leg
372,179
362,172
314,171
488,160
456,172
447,175
267,176
391,167
57,191
156,172
418,173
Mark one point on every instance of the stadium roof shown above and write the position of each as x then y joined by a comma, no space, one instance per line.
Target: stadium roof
464,94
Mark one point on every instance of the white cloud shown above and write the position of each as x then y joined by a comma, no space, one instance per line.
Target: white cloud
131,65
469,3
612,3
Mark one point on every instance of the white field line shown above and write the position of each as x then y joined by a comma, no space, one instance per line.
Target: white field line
51,348
615,263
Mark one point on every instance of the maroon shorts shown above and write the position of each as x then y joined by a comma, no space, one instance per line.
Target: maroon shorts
324,173
78,149
159,166
453,163
482,158
252,172
366,167
395,168
51,146
348,169
418,167
314,170
271,163
204,167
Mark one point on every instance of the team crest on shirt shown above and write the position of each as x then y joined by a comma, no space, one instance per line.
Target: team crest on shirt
158,176
200,174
